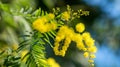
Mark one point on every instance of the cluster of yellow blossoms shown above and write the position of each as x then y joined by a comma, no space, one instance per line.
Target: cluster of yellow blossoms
83,41
66,35
45,23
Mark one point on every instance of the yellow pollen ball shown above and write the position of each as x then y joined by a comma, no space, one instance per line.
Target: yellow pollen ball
86,35
92,49
40,26
80,45
86,54
80,27
89,42
92,56
62,52
66,15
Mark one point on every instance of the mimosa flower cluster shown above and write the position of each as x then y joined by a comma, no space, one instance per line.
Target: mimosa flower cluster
45,23
83,41
67,34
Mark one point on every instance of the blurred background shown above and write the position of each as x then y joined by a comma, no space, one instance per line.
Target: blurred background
103,23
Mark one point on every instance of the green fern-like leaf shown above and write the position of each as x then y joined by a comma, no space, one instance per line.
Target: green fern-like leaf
37,41
36,57
39,55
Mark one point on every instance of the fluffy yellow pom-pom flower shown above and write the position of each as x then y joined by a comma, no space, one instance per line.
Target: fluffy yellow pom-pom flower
80,27
86,35
86,54
92,49
92,56
39,25
65,16
42,24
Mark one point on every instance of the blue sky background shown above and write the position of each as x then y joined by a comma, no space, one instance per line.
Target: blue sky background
106,55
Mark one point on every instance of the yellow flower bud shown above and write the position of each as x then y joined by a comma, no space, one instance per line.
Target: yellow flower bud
89,42
80,27
84,49
92,49
86,54
86,35
92,56
66,15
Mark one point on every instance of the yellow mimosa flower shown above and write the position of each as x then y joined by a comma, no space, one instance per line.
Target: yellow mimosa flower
80,27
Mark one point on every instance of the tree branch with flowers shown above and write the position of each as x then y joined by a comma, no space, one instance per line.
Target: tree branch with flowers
57,30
